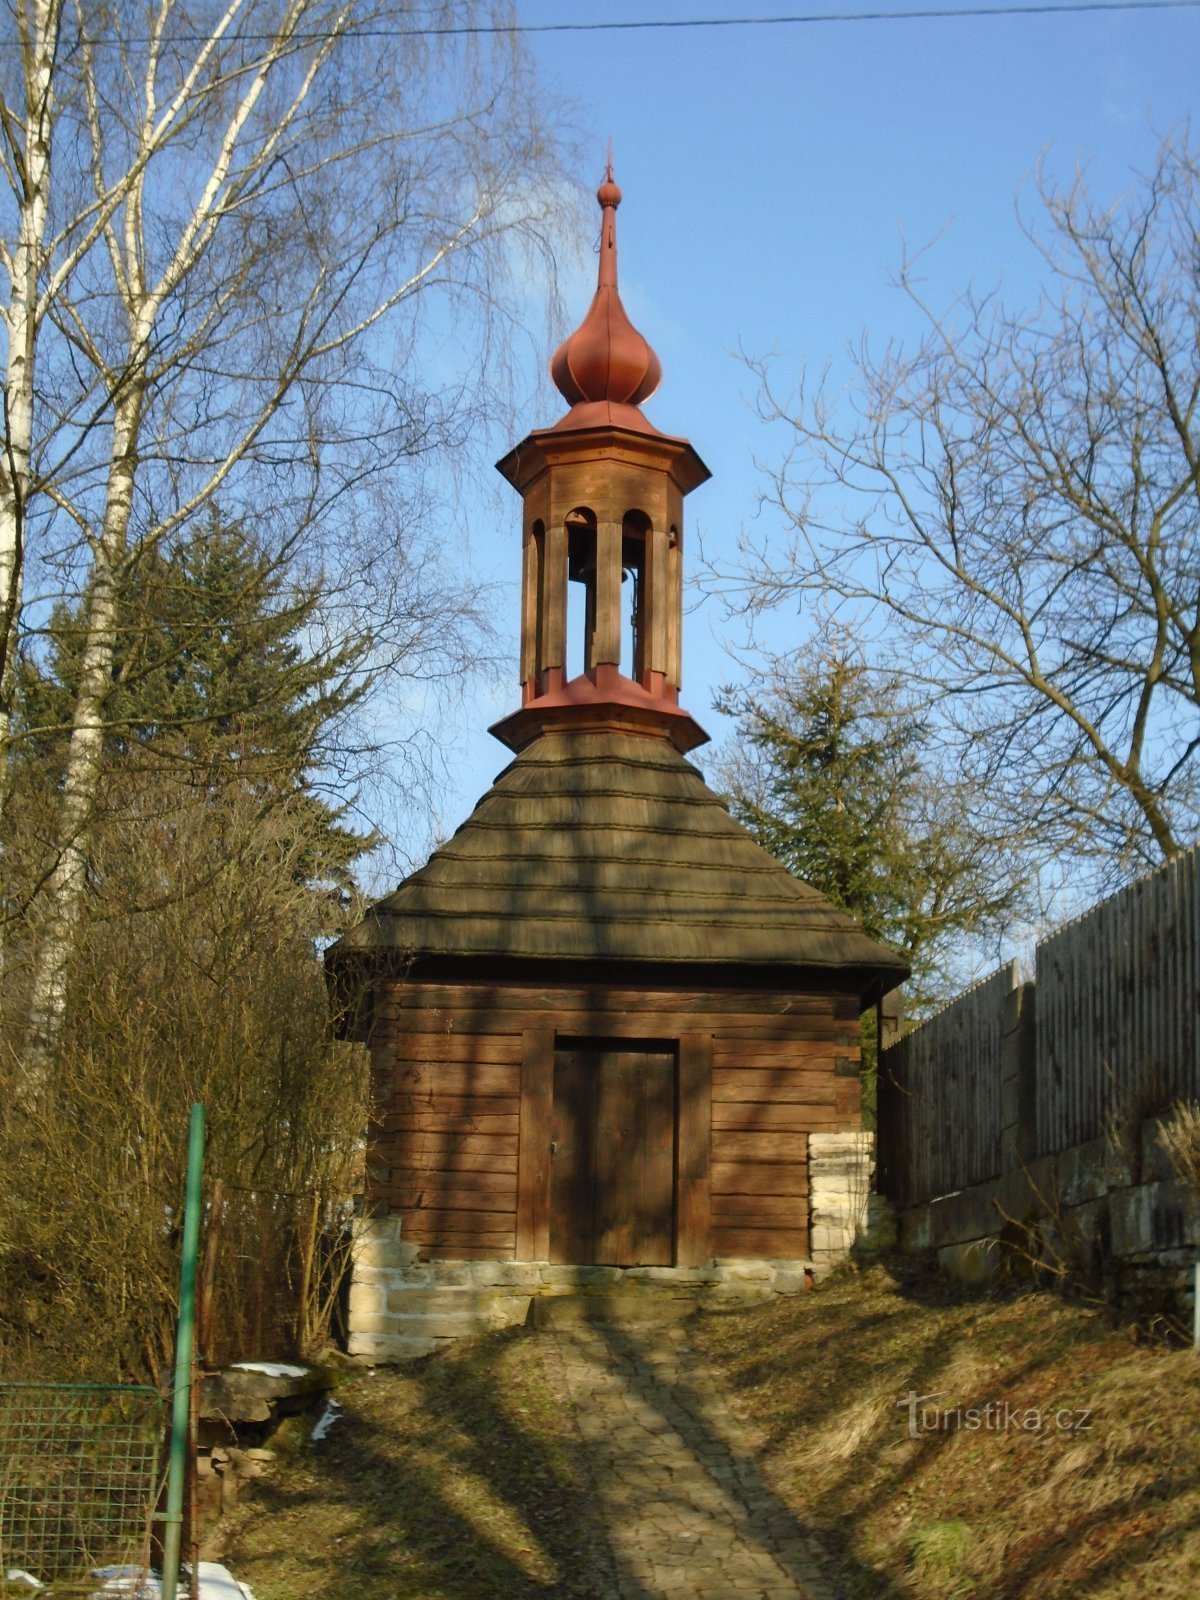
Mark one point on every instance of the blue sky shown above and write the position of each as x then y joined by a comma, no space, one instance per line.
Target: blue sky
772,176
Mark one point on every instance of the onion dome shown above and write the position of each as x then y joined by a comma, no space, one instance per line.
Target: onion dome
606,359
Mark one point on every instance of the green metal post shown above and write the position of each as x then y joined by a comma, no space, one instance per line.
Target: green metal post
185,1336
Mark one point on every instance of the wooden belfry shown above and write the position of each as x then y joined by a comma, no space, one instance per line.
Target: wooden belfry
604,1023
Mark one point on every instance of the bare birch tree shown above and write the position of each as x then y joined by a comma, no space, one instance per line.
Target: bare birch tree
1014,507
276,199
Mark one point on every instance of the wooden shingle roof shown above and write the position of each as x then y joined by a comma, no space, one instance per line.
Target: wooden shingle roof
606,846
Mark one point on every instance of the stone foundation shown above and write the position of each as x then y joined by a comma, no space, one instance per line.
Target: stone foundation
401,1309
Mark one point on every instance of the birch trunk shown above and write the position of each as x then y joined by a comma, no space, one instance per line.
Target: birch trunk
68,879
29,163
29,159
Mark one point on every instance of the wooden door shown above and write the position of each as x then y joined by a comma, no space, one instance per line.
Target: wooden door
612,1174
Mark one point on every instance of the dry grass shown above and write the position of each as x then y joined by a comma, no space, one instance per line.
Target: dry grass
1179,1136
447,1479
456,1479
1110,1508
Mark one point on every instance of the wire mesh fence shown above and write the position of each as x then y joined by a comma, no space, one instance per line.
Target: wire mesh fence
79,1478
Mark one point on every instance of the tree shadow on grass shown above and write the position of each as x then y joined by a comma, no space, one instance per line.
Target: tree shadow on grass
429,1489
1093,1517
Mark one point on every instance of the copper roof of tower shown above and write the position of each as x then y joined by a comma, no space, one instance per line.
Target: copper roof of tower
605,369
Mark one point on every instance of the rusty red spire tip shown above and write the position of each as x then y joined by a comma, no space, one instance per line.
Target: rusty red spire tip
606,358
608,193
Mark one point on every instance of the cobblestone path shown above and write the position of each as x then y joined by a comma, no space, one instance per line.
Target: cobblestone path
685,1507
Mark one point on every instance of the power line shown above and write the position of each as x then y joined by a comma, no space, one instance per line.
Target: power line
912,14
1035,8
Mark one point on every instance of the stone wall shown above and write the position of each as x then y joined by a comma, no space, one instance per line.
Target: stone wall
402,1308
1114,1220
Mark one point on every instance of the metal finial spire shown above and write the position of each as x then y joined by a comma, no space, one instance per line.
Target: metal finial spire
606,358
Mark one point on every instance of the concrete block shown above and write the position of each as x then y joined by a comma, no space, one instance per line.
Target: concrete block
843,1142
1082,1173
377,1243
379,1228
744,1269
371,1323
388,1349
504,1274
449,1274
366,1298
431,1325
579,1277
672,1275
492,1308
1154,1217
1155,1163
384,1277
976,1261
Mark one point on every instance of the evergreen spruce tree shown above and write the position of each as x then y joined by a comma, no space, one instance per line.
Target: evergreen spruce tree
221,692
836,775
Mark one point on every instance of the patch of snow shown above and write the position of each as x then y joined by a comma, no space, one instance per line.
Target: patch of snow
325,1421
216,1583
135,1582
19,1575
273,1369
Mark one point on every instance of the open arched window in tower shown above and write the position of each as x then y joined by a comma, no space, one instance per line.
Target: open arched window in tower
581,591
635,527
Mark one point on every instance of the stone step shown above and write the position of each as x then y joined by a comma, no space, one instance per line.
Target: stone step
459,1300
431,1324
515,1277
643,1304
400,1314
500,1306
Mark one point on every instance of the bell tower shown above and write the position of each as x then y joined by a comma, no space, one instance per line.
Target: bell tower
603,494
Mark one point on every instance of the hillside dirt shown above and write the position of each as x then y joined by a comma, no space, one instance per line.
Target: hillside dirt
929,1441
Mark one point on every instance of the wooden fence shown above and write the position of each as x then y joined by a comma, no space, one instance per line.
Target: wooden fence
940,1112
1108,1034
1118,1010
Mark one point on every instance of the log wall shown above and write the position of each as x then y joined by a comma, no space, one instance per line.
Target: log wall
463,1077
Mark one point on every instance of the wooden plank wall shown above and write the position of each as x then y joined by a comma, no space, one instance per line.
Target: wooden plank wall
444,1146
767,1095
1116,1039
940,1115
1118,1009
448,1140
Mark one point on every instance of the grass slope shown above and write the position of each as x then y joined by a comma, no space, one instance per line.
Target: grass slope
1017,1506
458,1478
449,1478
